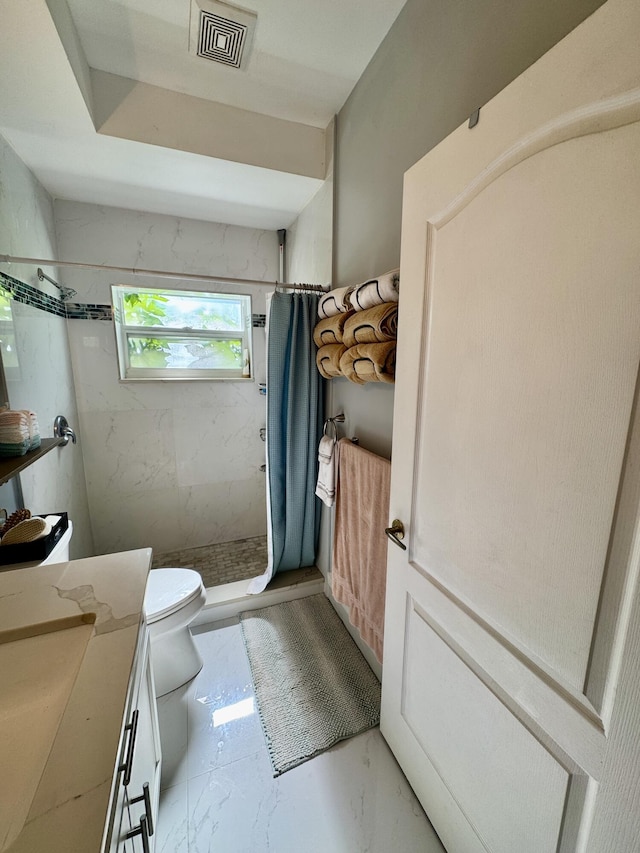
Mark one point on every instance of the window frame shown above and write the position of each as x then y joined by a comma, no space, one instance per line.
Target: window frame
123,332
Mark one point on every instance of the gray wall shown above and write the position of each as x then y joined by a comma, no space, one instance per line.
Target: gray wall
440,60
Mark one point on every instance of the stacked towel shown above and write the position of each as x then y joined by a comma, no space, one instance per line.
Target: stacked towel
330,330
369,363
354,317
19,432
328,360
375,325
376,291
335,302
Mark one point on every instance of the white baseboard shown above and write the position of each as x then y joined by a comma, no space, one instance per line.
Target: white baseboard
343,613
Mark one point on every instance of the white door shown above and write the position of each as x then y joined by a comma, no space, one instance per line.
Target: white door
511,687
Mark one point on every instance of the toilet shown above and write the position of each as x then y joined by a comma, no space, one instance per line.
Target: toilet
173,599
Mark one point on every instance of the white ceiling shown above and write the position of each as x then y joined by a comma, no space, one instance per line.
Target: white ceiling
152,145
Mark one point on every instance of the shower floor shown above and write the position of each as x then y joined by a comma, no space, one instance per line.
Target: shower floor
218,564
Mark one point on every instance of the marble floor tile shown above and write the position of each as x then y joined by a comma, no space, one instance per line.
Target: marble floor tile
350,799
172,831
223,720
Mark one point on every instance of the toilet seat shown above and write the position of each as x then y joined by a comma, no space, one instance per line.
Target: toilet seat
169,590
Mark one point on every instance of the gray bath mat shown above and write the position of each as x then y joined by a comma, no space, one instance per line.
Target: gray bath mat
313,686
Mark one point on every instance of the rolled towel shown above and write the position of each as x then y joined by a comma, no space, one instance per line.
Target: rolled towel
370,363
376,291
334,302
330,330
328,360
372,326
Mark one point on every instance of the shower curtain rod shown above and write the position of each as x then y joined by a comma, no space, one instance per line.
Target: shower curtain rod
10,259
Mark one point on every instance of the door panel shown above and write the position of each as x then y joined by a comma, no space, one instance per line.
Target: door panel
532,360
469,742
511,689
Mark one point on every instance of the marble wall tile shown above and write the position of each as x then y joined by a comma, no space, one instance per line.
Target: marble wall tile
129,451
169,464
123,521
223,512
220,445
130,238
167,519
93,347
44,379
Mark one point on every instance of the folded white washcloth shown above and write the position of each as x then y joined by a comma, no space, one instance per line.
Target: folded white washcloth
9,435
376,291
32,419
18,426
335,302
327,470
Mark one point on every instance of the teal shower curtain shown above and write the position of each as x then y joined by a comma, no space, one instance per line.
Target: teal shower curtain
294,427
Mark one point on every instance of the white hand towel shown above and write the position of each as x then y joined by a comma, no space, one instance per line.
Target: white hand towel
327,470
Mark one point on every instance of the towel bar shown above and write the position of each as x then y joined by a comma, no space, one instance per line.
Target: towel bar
336,419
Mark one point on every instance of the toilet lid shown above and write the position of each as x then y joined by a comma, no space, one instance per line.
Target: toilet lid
168,590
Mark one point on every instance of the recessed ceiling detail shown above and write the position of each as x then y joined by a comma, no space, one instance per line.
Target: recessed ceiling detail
221,33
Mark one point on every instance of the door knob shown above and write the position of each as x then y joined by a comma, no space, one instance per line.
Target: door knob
396,533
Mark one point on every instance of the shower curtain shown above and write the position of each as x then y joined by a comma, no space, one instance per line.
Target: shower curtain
294,427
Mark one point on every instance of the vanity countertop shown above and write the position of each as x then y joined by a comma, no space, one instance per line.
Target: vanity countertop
79,676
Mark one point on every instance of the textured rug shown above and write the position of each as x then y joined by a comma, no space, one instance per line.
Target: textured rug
313,686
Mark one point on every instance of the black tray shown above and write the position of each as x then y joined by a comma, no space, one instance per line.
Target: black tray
31,552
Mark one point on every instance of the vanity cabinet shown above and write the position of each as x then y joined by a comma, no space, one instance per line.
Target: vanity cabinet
137,792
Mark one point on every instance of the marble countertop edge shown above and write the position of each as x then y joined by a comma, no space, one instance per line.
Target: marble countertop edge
71,806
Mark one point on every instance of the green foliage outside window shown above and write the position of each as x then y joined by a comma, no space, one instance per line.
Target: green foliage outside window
200,333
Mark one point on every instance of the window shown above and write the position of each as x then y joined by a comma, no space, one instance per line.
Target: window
181,334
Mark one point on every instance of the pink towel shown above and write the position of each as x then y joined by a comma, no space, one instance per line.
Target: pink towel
359,572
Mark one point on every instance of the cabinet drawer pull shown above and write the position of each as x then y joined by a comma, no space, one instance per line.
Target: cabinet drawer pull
127,764
143,832
146,799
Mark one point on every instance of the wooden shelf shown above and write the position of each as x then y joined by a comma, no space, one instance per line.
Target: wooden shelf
12,465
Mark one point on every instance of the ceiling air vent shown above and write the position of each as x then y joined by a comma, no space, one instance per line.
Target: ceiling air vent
221,33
